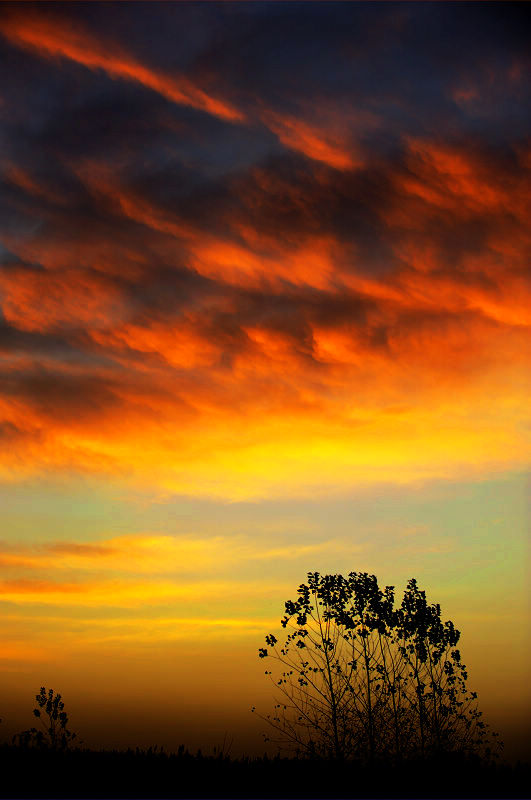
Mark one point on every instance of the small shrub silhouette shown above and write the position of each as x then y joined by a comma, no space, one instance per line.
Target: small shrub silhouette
53,720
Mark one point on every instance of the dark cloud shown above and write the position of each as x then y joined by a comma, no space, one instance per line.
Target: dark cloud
62,398
45,346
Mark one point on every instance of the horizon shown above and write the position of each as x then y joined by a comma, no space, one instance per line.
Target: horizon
264,310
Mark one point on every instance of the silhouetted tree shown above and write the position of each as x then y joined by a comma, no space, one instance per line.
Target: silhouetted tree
361,678
53,720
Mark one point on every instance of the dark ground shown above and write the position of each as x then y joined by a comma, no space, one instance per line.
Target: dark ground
34,773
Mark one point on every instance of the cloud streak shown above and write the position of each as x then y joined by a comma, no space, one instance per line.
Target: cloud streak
58,40
148,554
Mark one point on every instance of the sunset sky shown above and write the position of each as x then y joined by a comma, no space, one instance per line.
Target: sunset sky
265,308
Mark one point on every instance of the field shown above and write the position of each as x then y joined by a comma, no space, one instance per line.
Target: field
34,773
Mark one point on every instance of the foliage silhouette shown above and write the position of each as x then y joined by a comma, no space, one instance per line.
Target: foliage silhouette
53,720
364,679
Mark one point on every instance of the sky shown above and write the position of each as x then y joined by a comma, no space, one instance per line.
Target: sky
265,305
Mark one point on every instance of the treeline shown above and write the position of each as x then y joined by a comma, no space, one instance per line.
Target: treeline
33,772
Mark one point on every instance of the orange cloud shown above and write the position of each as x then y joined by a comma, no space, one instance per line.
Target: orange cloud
106,185
320,145
40,301
311,263
450,183
30,586
57,39
178,343
21,178
454,178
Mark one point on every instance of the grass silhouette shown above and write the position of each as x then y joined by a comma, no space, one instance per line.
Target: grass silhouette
35,772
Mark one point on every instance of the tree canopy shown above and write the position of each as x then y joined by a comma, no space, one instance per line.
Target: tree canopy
364,678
